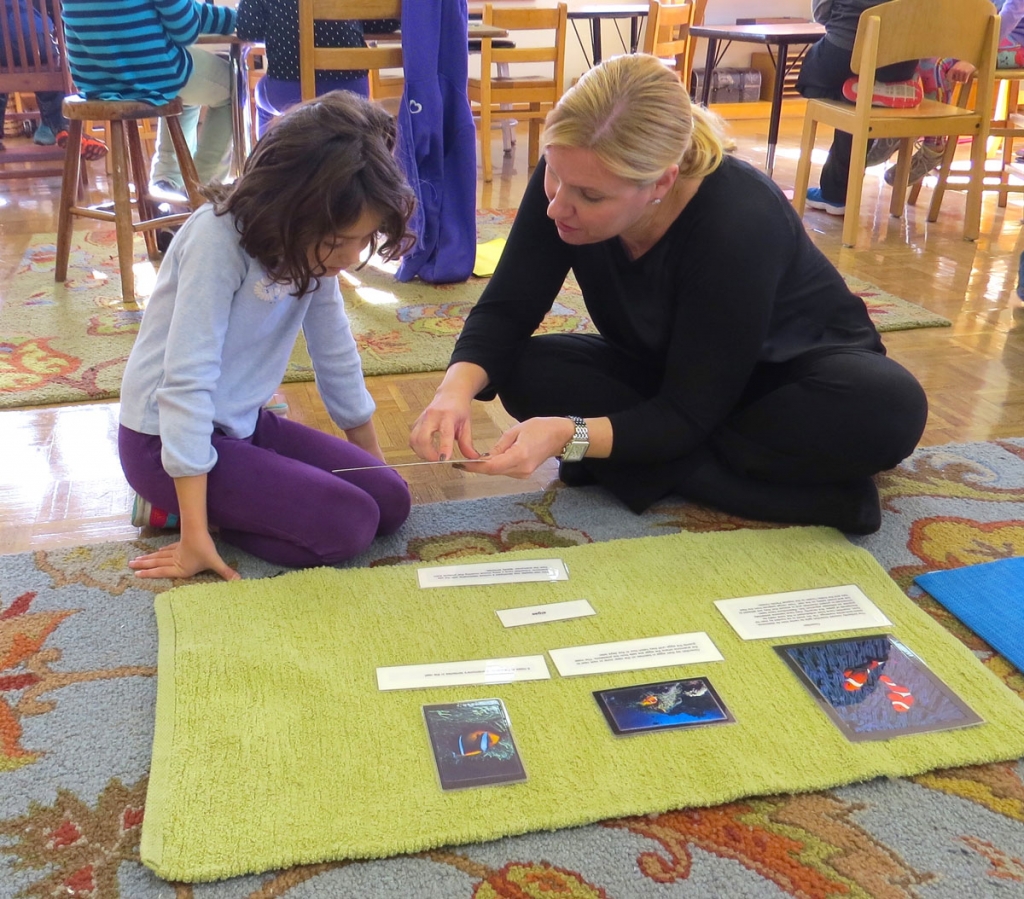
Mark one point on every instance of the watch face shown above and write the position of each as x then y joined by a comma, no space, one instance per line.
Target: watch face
575,451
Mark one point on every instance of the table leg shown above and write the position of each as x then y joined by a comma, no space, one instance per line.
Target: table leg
781,59
709,69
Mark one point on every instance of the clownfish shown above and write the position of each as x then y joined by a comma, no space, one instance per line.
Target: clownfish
478,742
649,699
855,678
900,697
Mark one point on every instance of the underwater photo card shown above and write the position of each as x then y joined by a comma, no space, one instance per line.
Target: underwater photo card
875,688
472,743
692,702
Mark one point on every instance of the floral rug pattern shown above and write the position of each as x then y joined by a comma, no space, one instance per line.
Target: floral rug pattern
77,666
69,342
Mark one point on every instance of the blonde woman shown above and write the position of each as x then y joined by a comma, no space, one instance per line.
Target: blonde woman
733,366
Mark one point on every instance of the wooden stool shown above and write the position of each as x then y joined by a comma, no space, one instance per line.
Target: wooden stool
128,165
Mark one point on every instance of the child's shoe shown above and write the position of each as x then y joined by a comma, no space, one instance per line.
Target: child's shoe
44,136
891,94
816,201
925,159
145,516
881,149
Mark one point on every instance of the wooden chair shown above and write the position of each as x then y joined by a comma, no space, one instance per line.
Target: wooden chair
667,35
1007,124
890,33
312,57
519,96
128,167
29,63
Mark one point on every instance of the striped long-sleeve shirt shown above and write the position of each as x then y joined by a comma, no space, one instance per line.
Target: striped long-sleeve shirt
135,49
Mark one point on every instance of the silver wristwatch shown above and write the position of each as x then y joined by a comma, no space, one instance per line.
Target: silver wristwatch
578,444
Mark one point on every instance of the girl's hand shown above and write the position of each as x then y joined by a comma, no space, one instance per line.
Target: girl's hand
961,71
365,437
184,559
522,449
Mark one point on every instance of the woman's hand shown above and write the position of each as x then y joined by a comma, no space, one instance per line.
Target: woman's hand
187,557
446,422
523,448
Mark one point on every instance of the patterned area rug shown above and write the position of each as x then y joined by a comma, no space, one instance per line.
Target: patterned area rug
67,343
78,655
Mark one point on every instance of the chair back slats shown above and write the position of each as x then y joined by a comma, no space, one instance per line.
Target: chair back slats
553,19
313,58
506,89
909,30
668,34
32,48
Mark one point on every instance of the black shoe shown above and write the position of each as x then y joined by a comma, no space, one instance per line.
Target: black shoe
164,236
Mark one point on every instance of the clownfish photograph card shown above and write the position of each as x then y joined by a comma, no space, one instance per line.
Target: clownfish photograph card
875,688
473,745
692,702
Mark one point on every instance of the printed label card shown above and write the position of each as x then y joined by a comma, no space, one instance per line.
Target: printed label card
635,655
797,612
477,574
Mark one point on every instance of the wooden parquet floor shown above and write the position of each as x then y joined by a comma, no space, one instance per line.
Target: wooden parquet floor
61,484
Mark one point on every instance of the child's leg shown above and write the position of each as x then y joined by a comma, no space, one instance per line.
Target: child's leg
1010,55
209,85
277,498
165,162
274,495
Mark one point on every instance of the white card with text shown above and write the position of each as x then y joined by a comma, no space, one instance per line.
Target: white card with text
822,610
552,611
520,572
454,674
635,655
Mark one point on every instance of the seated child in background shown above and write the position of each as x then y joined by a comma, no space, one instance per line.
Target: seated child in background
243,275
141,50
940,75
53,126
276,23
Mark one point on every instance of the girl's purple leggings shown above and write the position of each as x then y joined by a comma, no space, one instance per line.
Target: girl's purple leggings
273,494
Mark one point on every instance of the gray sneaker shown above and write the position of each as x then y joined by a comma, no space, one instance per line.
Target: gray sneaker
925,159
881,149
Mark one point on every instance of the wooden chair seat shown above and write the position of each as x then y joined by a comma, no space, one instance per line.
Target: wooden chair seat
128,167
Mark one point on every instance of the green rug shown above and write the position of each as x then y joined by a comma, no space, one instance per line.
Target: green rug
68,343
273,746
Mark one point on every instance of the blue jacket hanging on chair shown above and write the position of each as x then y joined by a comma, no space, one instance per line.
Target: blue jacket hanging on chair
437,141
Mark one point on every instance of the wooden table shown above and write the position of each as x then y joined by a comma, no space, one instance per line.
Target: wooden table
777,35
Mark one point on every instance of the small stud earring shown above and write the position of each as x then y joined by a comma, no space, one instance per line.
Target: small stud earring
656,201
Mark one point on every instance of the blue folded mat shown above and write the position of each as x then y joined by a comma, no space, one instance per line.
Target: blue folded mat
989,599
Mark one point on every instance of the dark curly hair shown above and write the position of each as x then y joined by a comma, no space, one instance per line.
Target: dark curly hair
312,175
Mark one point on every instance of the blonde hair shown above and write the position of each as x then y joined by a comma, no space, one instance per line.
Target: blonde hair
635,115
